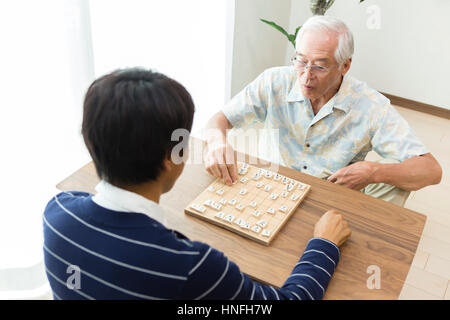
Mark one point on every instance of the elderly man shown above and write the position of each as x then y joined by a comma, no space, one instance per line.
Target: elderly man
320,121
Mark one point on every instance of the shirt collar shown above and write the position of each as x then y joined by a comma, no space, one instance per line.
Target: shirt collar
338,101
117,199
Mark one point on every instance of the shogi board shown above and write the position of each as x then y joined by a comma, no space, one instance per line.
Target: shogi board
256,206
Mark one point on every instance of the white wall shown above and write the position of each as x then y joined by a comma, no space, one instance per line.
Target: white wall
408,56
257,46
185,40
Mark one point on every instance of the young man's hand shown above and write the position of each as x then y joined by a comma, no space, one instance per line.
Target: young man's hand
332,226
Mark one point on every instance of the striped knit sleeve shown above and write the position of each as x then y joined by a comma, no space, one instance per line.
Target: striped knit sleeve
213,276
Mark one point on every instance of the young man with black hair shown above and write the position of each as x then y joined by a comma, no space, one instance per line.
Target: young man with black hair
117,239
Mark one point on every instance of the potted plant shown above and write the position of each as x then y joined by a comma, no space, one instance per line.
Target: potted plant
318,7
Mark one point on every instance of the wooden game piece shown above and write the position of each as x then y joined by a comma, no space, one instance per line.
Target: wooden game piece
256,229
268,174
265,233
238,221
301,186
198,208
220,192
253,204
285,180
273,196
245,166
223,201
242,171
245,225
211,188
277,177
208,203
256,176
259,184
267,188
271,210
288,187
244,180
256,213
243,191
219,215
217,206
240,207
232,202
262,171
228,218
294,197
283,209
284,194
262,223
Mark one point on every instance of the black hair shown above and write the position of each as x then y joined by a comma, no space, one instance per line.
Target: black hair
128,119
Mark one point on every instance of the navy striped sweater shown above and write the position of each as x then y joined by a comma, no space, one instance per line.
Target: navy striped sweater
122,255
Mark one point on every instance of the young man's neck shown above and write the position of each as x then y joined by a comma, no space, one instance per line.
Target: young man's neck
149,190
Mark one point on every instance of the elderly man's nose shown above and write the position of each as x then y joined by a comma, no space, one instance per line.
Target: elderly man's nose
308,72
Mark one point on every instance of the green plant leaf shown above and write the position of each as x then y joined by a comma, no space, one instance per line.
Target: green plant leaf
273,24
296,31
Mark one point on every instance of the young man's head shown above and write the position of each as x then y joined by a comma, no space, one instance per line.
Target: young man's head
128,119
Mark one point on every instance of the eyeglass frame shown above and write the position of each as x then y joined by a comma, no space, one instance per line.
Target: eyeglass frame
314,68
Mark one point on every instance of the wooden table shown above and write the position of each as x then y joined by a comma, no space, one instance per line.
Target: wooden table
383,234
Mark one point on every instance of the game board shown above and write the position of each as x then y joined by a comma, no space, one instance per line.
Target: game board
256,206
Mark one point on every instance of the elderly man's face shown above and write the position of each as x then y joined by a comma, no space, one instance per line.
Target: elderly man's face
317,47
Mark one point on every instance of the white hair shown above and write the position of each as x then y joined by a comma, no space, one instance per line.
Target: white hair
345,45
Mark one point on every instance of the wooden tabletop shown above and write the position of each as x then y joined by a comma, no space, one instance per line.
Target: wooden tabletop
383,235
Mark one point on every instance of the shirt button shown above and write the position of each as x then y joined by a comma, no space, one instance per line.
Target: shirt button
305,167
307,145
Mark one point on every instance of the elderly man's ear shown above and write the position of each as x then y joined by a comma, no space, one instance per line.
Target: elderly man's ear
346,66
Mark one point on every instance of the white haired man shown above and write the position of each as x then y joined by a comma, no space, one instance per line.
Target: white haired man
320,121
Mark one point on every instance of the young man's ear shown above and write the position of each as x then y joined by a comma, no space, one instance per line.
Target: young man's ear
167,163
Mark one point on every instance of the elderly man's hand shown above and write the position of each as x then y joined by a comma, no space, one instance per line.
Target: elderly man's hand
220,161
356,176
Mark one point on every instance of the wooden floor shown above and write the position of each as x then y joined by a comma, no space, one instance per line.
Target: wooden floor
429,276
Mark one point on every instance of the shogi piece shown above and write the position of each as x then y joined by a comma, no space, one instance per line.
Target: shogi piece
256,207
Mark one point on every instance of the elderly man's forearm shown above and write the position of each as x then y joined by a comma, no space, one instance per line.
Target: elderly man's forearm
412,174
217,127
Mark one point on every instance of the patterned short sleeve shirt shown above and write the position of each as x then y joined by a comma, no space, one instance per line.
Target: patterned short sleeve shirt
356,120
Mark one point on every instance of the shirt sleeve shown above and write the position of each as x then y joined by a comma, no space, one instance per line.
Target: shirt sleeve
393,138
215,277
249,105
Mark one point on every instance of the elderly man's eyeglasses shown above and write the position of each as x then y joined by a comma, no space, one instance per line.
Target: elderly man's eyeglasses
301,65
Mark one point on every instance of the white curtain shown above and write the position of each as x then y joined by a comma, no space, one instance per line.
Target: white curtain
49,51
46,60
